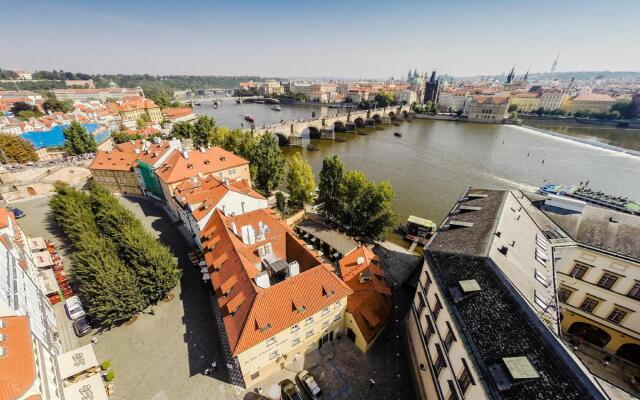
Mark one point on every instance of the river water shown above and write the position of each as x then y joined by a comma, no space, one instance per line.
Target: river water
435,161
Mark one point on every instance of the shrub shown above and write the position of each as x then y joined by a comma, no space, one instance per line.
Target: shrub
105,364
110,376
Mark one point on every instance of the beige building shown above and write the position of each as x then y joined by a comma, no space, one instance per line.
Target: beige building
484,322
131,110
526,102
276,300
487,109
589,102
551,99
115,170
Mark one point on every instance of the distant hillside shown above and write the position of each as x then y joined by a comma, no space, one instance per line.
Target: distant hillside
631,76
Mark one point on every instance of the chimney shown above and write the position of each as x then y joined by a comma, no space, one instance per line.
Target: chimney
234,228
294,268
156,140
262,280
360,260
201,149
185,154
248,234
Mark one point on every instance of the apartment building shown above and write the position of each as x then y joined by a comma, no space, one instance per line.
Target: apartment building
132,110
276,300
115,170
526,102
552,99
589,102
196,199
483,323
453,99
96,94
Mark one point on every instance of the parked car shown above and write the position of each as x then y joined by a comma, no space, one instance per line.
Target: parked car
74,309
18,213
289,390
81,326
309,385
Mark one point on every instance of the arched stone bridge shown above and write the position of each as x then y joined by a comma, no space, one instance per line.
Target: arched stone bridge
326,126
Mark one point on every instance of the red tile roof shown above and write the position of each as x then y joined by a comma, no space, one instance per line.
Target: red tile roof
246,307
174,113
17,366
491,99
113,161
178,168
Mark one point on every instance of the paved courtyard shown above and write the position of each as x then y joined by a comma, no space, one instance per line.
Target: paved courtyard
162,354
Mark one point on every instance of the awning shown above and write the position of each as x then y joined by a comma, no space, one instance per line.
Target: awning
49,280
37,243
75,361
43,259
90,388
421,222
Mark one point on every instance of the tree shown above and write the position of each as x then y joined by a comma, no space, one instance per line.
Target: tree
52,104
268,162
384,99
16,150
281,202
203,130
182,130
625,108
513,107
331,186
123,137
301,183
142,120
24,110
77,140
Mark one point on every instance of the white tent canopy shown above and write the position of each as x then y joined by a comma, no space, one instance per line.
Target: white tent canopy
75,361
37,243
90,388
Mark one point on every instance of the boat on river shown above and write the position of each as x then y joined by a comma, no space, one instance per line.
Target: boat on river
418,229
598,198
398,134
276,108
249,118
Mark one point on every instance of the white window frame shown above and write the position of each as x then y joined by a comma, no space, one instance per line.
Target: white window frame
308,321
309,334
271,340
325,311
273,354
295,328
541,278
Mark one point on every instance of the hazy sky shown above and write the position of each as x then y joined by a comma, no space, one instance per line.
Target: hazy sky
319,38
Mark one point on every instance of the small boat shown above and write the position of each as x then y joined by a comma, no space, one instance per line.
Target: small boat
398,134
197,103
311,147
215,105
396,124
340,139
418,229
276,108
249,118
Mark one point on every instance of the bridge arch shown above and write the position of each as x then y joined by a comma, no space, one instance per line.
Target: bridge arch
283,140
392,114
339,126
359,121
405,113
377,118
312,132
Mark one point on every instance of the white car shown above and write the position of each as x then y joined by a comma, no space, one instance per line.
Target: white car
74,309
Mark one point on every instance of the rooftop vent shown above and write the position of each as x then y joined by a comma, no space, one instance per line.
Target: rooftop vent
477,195
464,290
365,277
201,149
460,224
223,158
504,250
513,371
185,154
3,351
360,260
262,280
613,219
294,268
565,203
3,337
156,140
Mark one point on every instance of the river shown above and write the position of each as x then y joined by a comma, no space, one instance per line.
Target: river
435,161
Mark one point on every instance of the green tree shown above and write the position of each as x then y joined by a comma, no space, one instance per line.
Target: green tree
301,183
123,137
16,150
331,186
513,107
625,108
269,163
78,140
142,120
203,130
384,99
51,104
25,111
182,130
281,202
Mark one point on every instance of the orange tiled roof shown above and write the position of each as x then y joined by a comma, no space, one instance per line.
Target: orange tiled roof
4,217
491,99
114,161
17,366
252,314
369,304
176,112
152,151
177,168
136,104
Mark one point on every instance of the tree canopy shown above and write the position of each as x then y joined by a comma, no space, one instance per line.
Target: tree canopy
16,150
331,186
384,99
52,104
268,162
301,183
77,140
203,131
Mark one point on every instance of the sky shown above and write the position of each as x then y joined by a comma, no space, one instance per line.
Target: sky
328,38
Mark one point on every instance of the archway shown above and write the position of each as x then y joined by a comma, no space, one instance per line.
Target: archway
630,352
376,118
283,140
339,126
31,191
392,115
359,122
311,132
590,333
405,113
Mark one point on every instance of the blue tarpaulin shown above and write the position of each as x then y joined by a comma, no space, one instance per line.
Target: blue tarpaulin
55,138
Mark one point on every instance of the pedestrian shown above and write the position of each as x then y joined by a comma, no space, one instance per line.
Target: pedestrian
94,339
207,371
372,383
214,366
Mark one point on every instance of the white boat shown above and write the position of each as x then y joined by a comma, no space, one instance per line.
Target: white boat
276,108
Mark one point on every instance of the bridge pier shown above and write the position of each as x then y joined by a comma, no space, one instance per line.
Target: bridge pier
326,133
295,141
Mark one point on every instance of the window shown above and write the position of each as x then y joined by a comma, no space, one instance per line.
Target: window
449,339
589,304
422,302
325,311
309,333
540,278
255,375
453,395
271,341
273,354
430,330
578,271
295,341
337,317
295,328
465,379
617,315
336,305
427,283
308,320
607,280
437,308
439,364
325,323
635,291
540,301
563,294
